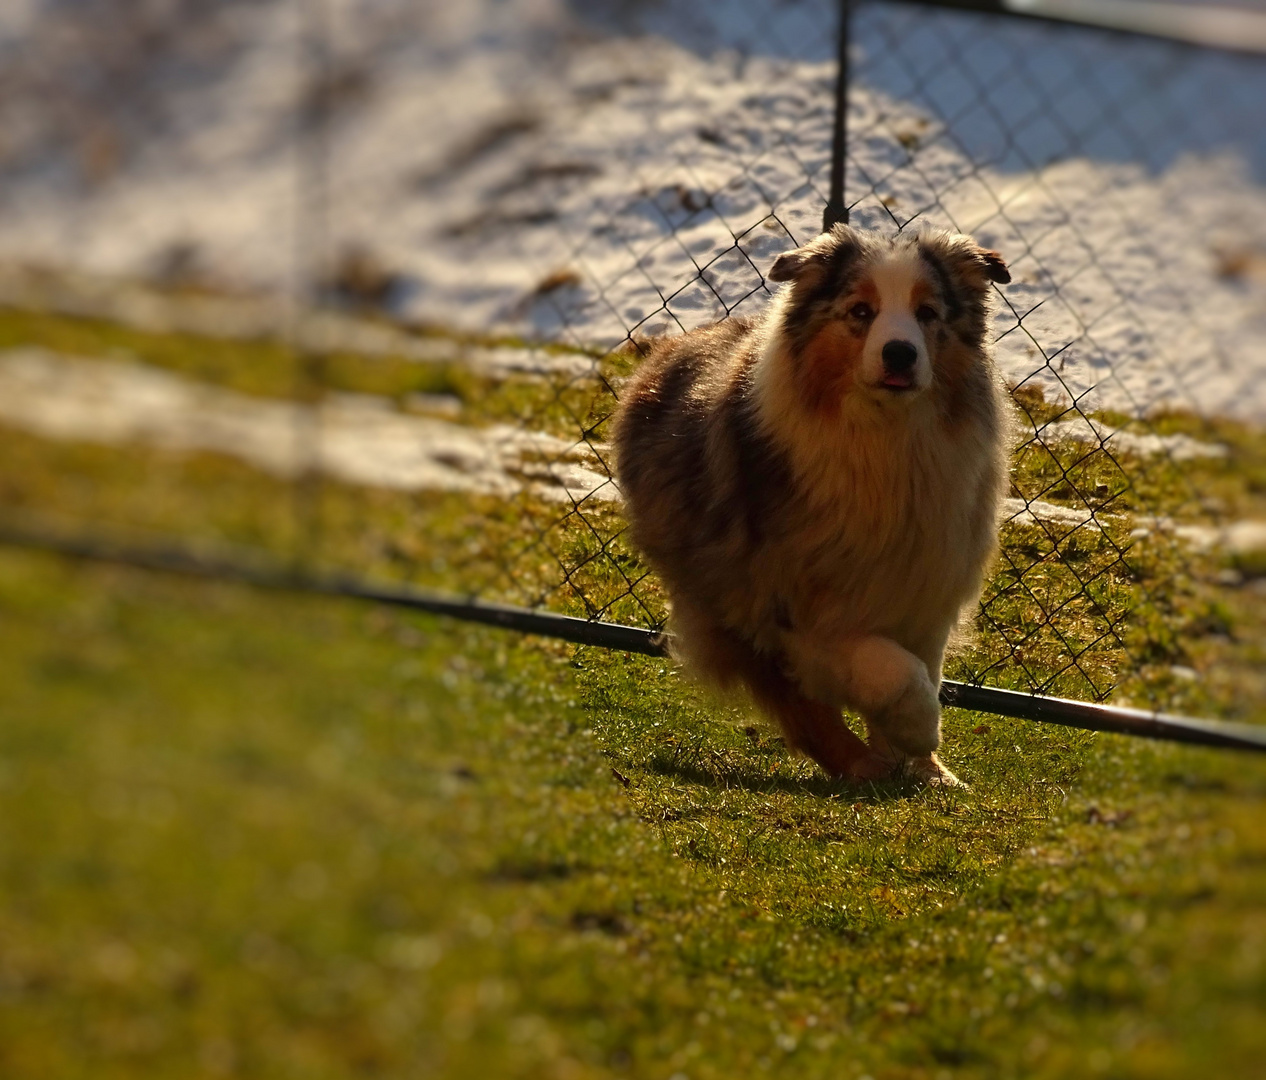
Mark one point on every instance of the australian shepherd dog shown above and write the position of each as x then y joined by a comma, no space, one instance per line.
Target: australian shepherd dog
818,489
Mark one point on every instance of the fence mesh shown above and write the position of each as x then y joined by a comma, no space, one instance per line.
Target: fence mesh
358,284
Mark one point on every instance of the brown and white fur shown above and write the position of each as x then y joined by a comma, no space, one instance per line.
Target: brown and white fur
822,511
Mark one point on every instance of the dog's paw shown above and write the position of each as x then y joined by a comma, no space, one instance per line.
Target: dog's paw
884,763
875,765
912,723
929,770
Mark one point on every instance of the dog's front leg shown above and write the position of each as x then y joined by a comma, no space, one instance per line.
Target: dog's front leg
887,684
895,693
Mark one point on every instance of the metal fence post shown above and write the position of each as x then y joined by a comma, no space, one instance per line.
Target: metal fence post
836,211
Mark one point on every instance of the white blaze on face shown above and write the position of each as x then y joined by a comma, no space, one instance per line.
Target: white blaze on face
895,278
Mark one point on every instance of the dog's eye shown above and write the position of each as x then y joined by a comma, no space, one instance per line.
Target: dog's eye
861,311
925,313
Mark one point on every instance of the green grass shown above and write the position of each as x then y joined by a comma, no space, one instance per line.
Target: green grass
255,834
247,833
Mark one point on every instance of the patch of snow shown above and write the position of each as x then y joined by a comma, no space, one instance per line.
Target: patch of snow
362,439
355,438
1038,512
1232,538
1177,447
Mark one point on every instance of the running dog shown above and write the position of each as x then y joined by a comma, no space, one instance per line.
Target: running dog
819,488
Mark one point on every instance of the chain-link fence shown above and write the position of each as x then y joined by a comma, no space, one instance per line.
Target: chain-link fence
357,284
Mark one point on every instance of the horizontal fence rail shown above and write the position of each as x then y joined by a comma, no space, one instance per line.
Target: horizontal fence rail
632,639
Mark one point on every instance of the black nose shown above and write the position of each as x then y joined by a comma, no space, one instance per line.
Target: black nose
899,357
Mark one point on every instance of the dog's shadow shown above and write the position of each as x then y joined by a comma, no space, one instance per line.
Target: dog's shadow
745,778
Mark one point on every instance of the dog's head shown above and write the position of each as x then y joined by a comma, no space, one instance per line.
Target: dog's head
885,319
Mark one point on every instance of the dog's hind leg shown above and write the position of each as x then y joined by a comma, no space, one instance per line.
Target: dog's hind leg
813,728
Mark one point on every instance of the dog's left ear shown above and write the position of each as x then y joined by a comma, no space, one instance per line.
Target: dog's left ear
995,267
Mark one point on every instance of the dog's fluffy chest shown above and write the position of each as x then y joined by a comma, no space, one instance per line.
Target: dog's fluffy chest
891,527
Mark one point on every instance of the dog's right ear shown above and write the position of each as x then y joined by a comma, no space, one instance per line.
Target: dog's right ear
789,264
838,242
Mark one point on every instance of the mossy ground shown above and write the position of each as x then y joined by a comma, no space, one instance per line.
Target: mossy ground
258,834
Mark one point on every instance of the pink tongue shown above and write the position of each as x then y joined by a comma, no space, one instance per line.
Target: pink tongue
897,380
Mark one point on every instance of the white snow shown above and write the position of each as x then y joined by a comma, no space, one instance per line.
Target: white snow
1038,511
355,438
1231,538
1177,447
660,156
